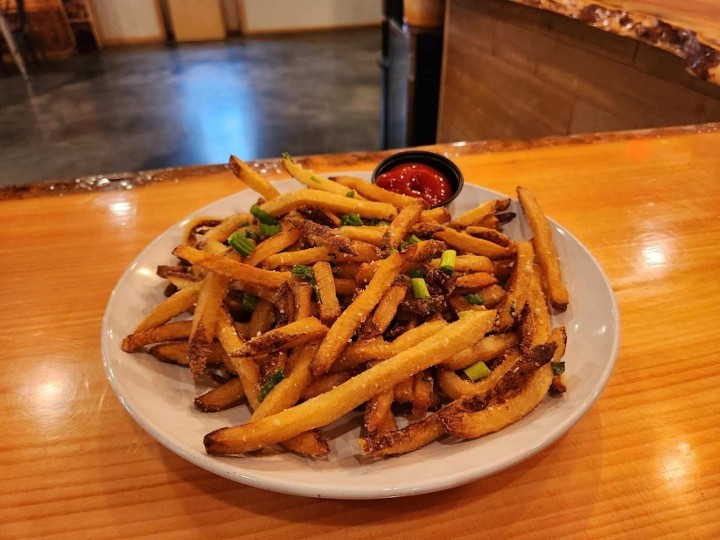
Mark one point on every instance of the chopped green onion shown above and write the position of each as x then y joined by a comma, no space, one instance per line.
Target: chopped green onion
269,230
477,371
474,299
286,155
253,235
241,244
393,251
447,261
262,216
273,380
352,220
249,302
303,272
419,288
558,368
350,194
409,242
418,272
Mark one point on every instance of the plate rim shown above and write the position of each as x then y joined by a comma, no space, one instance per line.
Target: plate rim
219,465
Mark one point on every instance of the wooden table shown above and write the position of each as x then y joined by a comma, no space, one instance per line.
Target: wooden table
643,462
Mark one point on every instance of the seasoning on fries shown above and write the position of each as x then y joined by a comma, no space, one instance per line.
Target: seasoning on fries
345,295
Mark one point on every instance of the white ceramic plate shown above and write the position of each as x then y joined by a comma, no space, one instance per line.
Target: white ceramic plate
159,396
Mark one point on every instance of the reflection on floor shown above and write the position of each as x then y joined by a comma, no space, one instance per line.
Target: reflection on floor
144,108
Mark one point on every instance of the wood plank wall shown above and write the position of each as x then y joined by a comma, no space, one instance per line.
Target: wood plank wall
511,71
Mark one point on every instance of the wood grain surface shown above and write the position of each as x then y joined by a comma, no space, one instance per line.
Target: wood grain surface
642,463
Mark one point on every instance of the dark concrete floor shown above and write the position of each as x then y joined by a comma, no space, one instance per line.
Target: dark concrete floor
142,108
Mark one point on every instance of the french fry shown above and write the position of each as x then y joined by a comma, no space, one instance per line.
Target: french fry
202,333
312,180
252,178
369,235
275,244
535,326
296,333
195,227
479,212
176,352
173,331
321,235
182,280
489,234
544,250
404,391
227,226
223,397
385,310
344,327
483,351
516,394
328,305
402,441
477,280
477,246
329,201
400,226
302,293
233,269
262,318
306,257
455,386
323,384
327,407
422,394
171,307
435,215
559,337
519,284
492,295
377,410
346,270
374,192
470,263
345,287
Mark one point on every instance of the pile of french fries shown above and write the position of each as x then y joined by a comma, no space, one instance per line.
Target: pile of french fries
344,295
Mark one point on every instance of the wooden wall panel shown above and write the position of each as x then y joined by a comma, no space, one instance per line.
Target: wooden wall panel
511,71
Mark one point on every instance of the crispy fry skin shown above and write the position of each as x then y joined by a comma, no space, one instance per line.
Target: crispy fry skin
271,246
436,215
223,397
455,386
232,269
329,307
167,332
535,326
491,235
544,250
385,310
321,235
252,178
173,306
302,293
202,333
402,441
479,212
365,252
228,226
484,350
477,280
374,192
400,226
262,318
474,245
285,337
470,263
329,406
519,284
312,180
377,410
515,394
176,352
369,235
330,201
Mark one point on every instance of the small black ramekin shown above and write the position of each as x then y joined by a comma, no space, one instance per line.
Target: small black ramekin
438,162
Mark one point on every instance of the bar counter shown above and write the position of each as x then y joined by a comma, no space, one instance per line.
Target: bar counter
643,462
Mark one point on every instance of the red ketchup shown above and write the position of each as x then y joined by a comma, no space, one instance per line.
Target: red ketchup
417,180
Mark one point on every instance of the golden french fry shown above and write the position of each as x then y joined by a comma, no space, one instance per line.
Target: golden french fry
403,391
435,215
470,263
327,407
374,192
262,318
483,351
400,226
227,226
198,226
306,257
345,287
202,333
312,180
226,266
329,201
252,178
422,394
377,410
477,246
271,246
223,397
323,384
321,235
171,307
455,386
302,293
285,337
519,285
535,326
369,235
477,280
328,304
489,234
517,392
167,332
544,249
479,212
176,352
402,441
385,310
